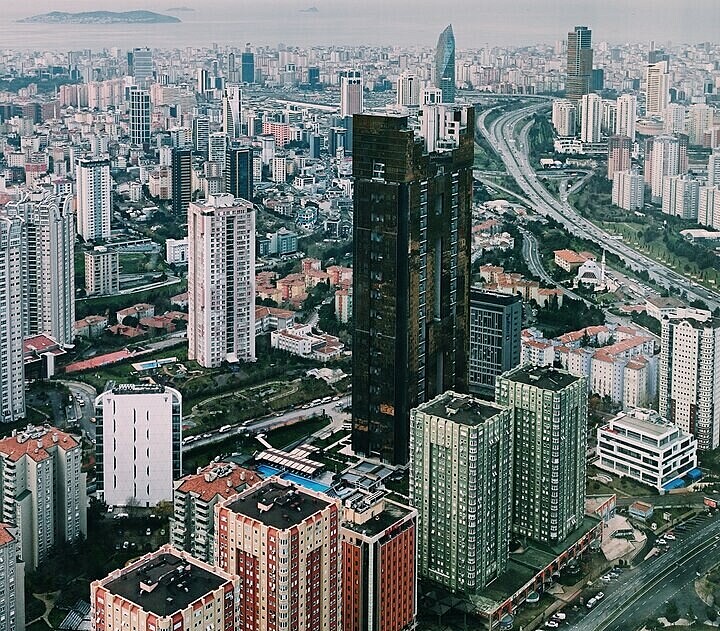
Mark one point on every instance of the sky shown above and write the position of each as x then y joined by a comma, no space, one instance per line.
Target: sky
513,22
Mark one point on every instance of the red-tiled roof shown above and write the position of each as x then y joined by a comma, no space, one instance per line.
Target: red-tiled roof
224,486
35,448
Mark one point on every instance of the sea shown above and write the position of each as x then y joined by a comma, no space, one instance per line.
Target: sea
399,23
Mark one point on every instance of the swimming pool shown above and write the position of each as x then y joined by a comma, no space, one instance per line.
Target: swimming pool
268,471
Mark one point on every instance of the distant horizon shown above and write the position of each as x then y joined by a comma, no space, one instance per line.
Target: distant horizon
373,22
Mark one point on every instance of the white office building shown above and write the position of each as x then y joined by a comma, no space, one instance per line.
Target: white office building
176,251
643,446
709,207
674,119
591,107
408,90
628,191
221,280
564,117
626,116
690,374
699,120
102,271
351,93
681,195
13,248
49,267
139,441
94,199
232,108
657,88
665,156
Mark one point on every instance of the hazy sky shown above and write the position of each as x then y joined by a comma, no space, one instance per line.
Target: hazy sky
475,21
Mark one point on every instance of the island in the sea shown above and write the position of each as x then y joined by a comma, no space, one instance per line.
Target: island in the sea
310,10
101,17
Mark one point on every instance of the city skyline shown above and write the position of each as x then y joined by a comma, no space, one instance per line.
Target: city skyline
522,23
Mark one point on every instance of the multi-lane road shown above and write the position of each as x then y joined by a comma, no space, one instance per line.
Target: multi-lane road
645,591
508,135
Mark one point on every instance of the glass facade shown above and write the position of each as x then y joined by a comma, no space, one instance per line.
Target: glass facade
412,220
445,65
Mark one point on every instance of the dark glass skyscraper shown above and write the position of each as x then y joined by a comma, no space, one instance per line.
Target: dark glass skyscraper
239,172
445,65
412,220
579,63
495,326
247,66
181,173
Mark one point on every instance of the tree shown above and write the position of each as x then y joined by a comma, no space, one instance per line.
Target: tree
671,612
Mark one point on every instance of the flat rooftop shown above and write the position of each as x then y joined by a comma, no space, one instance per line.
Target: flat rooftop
278,505
461,408
657,430
391,514
165,584
542,377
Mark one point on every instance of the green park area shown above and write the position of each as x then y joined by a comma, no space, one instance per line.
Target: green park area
655,234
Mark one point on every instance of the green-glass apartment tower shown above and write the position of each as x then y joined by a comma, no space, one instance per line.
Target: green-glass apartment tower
549,409
411,270
460,477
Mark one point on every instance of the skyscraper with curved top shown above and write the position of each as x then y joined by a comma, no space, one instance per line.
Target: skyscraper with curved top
445,64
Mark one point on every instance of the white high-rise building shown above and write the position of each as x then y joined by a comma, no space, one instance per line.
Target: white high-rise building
43,490
713,178
709,207
590,118
657,88
49,269
681,196
12,580
664,156
609,117
626,116
674,119
351,93
232,108
221,280
408,90
628,191
139,112
13,249
102,271
94,199
139,444
690,374
564,117
699,120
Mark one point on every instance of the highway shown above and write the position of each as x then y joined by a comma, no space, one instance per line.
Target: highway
644,590
508,135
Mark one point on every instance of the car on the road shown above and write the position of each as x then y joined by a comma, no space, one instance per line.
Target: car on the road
225,428
662,541
669,536
599,596
559,615
552,624
591,603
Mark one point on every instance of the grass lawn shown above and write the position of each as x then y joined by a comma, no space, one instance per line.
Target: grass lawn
624,487
289,434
